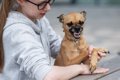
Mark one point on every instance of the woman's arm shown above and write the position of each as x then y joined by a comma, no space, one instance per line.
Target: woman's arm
66,73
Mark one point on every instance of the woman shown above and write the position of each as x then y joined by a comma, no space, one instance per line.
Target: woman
29,42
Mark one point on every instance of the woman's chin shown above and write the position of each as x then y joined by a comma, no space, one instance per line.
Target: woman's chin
41,16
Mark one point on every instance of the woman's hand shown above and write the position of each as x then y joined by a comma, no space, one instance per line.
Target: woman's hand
99,70
100,54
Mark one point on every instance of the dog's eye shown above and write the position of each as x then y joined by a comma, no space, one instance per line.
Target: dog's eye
69,24
81,22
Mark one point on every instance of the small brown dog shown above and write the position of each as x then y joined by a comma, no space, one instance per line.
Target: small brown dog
74,49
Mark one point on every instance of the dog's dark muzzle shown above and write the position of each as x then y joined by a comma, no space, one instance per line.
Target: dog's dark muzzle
76,31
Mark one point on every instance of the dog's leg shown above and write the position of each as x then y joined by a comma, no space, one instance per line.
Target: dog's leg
103,50
93,60
94,57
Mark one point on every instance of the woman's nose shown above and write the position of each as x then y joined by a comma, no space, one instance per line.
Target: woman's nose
47,7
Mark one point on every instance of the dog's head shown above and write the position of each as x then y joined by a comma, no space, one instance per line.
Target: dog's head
73,23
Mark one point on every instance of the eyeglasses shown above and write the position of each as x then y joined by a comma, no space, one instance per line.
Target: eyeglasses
43,4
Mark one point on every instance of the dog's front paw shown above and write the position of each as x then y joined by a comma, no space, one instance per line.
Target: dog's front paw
92,67
93,60
103,50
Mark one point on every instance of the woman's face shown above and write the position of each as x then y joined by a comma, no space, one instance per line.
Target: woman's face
34,9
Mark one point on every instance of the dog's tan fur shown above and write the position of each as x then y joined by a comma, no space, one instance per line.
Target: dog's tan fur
75,51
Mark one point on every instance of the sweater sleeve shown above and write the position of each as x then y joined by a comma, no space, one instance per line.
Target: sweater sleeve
54,39
28,52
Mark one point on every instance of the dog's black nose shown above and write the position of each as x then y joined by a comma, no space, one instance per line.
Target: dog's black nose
78,29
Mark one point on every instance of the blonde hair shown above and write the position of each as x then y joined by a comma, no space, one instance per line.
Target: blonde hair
5,8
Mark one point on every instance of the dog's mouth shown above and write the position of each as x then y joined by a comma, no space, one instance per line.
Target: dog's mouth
76,35
76,31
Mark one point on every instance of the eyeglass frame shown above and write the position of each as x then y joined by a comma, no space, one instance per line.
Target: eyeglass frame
44,2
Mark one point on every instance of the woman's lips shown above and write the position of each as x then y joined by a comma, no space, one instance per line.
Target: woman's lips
42,14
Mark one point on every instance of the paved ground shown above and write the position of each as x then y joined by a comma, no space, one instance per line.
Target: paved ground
102,29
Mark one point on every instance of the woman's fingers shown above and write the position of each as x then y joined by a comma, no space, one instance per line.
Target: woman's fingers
100,70
90,49
101,54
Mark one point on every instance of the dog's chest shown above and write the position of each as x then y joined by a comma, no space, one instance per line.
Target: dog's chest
77,50
75,47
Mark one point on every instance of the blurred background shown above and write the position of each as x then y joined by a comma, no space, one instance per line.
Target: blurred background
102,27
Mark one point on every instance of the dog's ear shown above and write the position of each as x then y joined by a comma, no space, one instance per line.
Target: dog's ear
84,13
61,18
